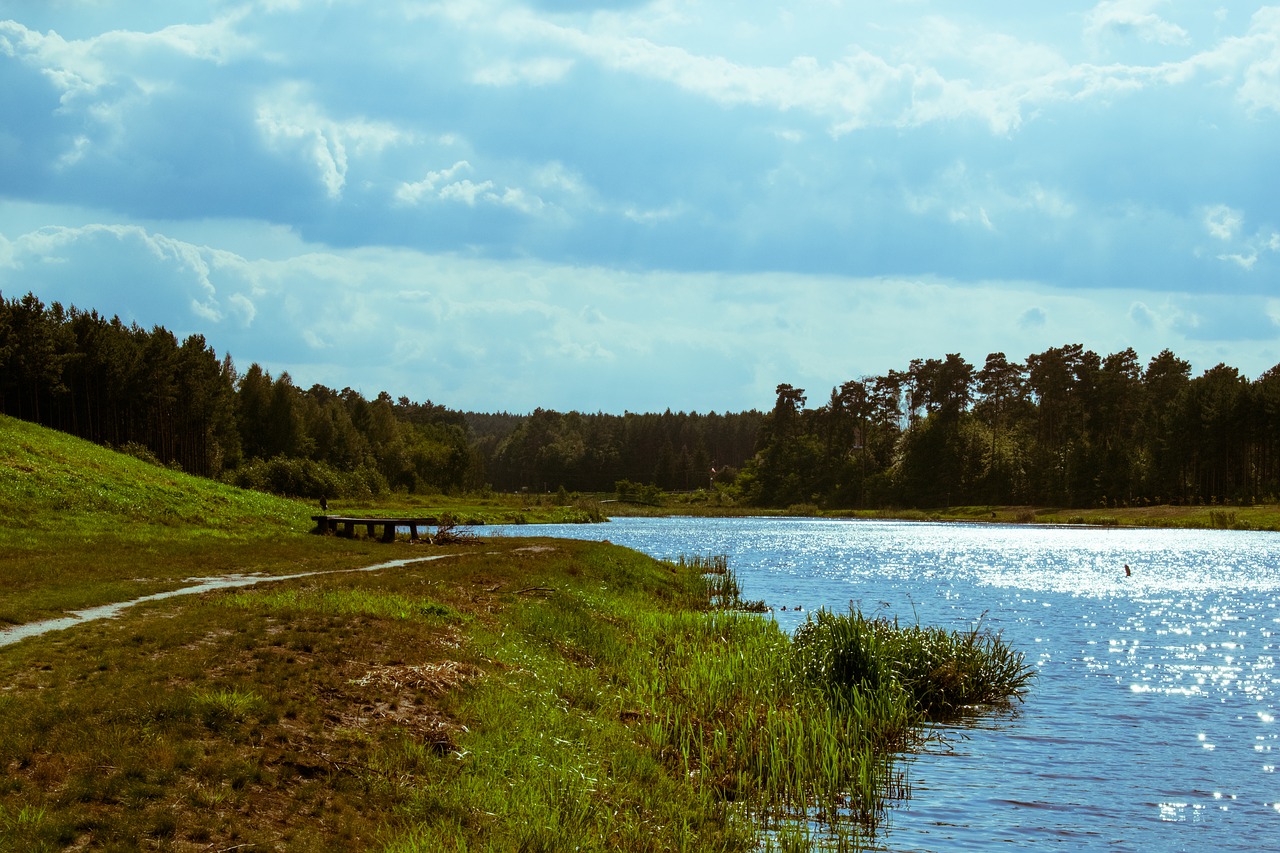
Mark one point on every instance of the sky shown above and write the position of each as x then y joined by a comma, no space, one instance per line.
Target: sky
633,206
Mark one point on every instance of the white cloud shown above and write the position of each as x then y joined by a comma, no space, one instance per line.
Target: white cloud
514,335
947,72
1142,316
290,121
536,72
465,191
66,256
71,66
441,185
413,192
1245,262
521,201
79,148
83,67
1259,55
1133,17
1243,251
968,198
1222,222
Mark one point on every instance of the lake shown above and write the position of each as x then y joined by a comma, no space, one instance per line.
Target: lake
1152,723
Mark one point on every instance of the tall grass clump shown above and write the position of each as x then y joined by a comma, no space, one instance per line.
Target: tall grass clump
943,674
720,583
721,702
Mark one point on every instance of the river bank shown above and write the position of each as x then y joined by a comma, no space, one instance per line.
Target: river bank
513,694
463,703
1224,516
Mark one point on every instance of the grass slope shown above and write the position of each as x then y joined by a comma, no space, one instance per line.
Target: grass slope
54,482
84,526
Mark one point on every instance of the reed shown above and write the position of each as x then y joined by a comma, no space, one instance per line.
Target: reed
722,589
942,674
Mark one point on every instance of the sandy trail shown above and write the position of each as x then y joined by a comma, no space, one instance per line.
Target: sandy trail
107,611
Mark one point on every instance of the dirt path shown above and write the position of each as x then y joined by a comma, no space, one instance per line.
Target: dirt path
107,611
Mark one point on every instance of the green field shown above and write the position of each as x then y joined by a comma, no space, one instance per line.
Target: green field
515,694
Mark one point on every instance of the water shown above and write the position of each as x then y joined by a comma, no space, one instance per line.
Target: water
1152,723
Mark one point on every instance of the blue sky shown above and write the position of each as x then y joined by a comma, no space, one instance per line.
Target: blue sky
627,205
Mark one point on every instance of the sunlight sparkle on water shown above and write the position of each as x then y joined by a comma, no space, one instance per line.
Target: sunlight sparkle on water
1158,735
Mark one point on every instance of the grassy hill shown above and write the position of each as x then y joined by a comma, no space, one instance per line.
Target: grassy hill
81,525
50,480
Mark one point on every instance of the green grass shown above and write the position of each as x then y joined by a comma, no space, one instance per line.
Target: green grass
1262,516
520,694
85,526
51,482
939,673
1256,516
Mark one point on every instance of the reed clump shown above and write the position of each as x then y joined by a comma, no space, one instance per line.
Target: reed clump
721,703
722,590
941,674
801,732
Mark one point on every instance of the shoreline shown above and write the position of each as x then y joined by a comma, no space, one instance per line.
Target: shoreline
1217,517
533,693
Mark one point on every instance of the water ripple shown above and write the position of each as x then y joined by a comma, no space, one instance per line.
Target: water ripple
1152,724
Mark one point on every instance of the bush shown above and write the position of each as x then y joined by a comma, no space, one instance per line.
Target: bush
305,478
943,672
140,451
638,493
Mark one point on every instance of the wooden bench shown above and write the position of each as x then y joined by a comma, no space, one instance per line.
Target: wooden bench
345,525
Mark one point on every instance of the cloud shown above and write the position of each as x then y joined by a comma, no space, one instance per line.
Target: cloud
85,264
1222,222
512,335
1226,225
1142,316
1033,318
702,175
1122,18
414,192
109,75
292,123
445,185
1227,321
536,72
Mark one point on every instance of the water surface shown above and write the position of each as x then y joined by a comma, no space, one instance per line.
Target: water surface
1152,723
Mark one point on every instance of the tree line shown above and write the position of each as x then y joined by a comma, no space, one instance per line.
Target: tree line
595,452
180,404
1065,427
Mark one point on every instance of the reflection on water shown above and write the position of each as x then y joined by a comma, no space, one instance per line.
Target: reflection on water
1152,723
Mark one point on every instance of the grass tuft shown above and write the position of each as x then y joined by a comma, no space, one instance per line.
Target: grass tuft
943,674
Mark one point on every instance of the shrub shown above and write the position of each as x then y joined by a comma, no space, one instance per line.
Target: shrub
943,672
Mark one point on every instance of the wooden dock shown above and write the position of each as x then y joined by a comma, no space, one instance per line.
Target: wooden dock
345,525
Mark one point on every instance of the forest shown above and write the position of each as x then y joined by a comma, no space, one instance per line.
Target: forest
179,403
1065,427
